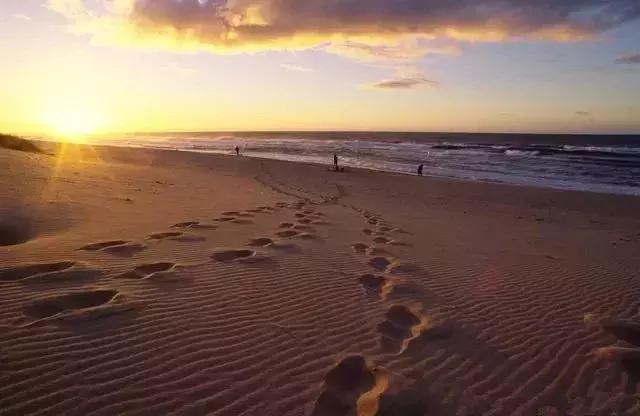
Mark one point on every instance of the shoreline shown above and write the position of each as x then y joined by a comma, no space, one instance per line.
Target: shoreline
329,165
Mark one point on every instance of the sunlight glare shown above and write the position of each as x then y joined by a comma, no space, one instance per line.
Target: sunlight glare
74,123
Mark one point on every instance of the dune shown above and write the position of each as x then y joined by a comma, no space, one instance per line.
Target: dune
17,143
138,281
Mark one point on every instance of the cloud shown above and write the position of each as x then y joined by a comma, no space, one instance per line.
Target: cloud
404,83
633,58
296,68
236,25
582,113
393,34
402,51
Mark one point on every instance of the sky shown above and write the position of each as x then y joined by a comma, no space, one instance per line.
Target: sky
93,66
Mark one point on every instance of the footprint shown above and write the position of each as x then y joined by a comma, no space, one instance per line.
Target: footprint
384,229
351,387
224,219
22,272
260,242
47,307
400,326
626,330
230,213
380,285
410,402
245,215
105,244
305,221
125,250
287,233
367,231
300,215
360,247
165,235
385,286
150,271
381,240
372,281
185,224
285,225
203,226
194,225
626,357
320,222
90,304
307,236
16,231
50,272
379,263
226,255
242,221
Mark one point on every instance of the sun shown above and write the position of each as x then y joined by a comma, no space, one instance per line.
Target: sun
74,123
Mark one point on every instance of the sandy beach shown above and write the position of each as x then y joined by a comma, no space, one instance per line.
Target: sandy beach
138,281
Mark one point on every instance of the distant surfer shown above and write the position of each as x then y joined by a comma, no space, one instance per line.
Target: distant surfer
420,168
335,161
237,151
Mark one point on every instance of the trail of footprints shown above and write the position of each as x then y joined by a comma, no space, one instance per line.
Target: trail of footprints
300,229
353,384
402,323
91,303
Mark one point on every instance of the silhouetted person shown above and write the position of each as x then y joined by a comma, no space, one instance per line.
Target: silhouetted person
335,161
420,168
237,151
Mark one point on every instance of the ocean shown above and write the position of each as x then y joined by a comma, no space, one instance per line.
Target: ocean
596,163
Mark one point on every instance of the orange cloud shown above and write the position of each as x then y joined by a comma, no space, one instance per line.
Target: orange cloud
240,25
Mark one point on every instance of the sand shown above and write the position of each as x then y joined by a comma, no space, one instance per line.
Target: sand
157,282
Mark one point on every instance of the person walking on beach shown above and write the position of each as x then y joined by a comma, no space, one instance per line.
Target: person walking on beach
420,168
335,161
237,151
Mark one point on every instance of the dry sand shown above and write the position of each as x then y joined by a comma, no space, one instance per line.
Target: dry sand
158,282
